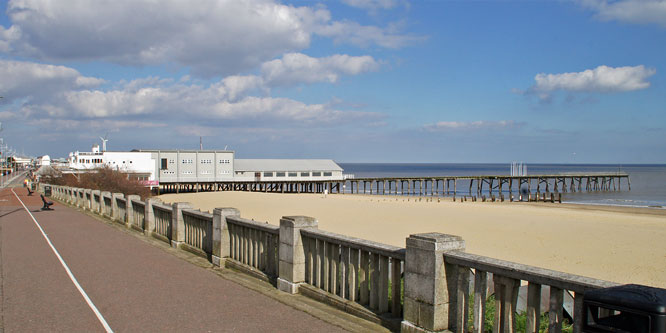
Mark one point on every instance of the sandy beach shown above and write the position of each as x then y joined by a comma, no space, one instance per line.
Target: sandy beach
624,245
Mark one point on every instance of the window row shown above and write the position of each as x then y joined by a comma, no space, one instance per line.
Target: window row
295,174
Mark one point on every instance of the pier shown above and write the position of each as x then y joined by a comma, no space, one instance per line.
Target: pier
425,186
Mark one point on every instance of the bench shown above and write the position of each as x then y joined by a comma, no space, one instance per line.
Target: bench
29,191
47,204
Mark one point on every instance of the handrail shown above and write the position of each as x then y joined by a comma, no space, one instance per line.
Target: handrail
273,229
534,274
357,243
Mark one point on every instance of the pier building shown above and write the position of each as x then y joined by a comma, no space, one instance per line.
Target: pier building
205,169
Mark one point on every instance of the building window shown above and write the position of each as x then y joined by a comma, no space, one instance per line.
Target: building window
268,174
293,174
279,174
316,174
328,174
305,174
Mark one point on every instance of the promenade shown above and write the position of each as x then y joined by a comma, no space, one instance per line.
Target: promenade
131,283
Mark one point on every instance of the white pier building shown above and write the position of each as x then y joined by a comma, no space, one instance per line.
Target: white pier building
155,167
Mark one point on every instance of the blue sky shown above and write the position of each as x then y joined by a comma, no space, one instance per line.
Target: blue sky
353,80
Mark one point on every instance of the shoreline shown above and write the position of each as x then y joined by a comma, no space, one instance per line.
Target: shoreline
620,244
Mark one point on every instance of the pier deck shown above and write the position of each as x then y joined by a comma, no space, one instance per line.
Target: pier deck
428,185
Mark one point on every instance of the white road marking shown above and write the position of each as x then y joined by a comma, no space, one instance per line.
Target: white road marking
71,276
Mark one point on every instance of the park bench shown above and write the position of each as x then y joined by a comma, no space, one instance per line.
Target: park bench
47,204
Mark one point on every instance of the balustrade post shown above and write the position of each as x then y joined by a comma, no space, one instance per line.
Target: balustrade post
114,207
292,253
102,204
87,201
149,217
221,237
178,223
429,297
129,210
94,205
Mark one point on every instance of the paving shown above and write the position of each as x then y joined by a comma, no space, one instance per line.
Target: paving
135,283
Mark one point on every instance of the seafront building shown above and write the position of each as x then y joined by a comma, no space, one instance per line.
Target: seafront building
155,167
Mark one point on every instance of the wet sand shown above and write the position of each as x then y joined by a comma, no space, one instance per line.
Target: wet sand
620,244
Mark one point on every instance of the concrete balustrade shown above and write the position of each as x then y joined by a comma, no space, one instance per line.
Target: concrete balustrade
292,252
87,194
177,223
221,236
115,213
131,219
358,276
149,217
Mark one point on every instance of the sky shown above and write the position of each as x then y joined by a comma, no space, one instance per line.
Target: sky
352,80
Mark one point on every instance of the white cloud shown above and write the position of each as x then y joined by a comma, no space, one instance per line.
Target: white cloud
631,11
212,38
99,125
446,126
364,36
600,79
63,94
371,5
19,80
299,68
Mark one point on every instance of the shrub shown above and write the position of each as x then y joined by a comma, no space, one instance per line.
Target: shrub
104,179
521,318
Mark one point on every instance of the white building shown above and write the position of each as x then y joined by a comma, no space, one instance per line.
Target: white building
136,164
286,170
201,166
43,160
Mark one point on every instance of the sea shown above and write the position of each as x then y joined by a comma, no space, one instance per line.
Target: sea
648,181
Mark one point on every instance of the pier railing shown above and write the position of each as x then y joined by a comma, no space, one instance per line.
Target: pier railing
430,285
361,271
508,280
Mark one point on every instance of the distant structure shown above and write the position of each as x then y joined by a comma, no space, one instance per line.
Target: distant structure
43,160
155,167
518,169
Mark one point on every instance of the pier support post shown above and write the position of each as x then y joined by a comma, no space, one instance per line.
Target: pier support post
429,297
292,253
221,237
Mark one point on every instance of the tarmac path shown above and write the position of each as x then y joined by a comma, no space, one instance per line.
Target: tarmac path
135,286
